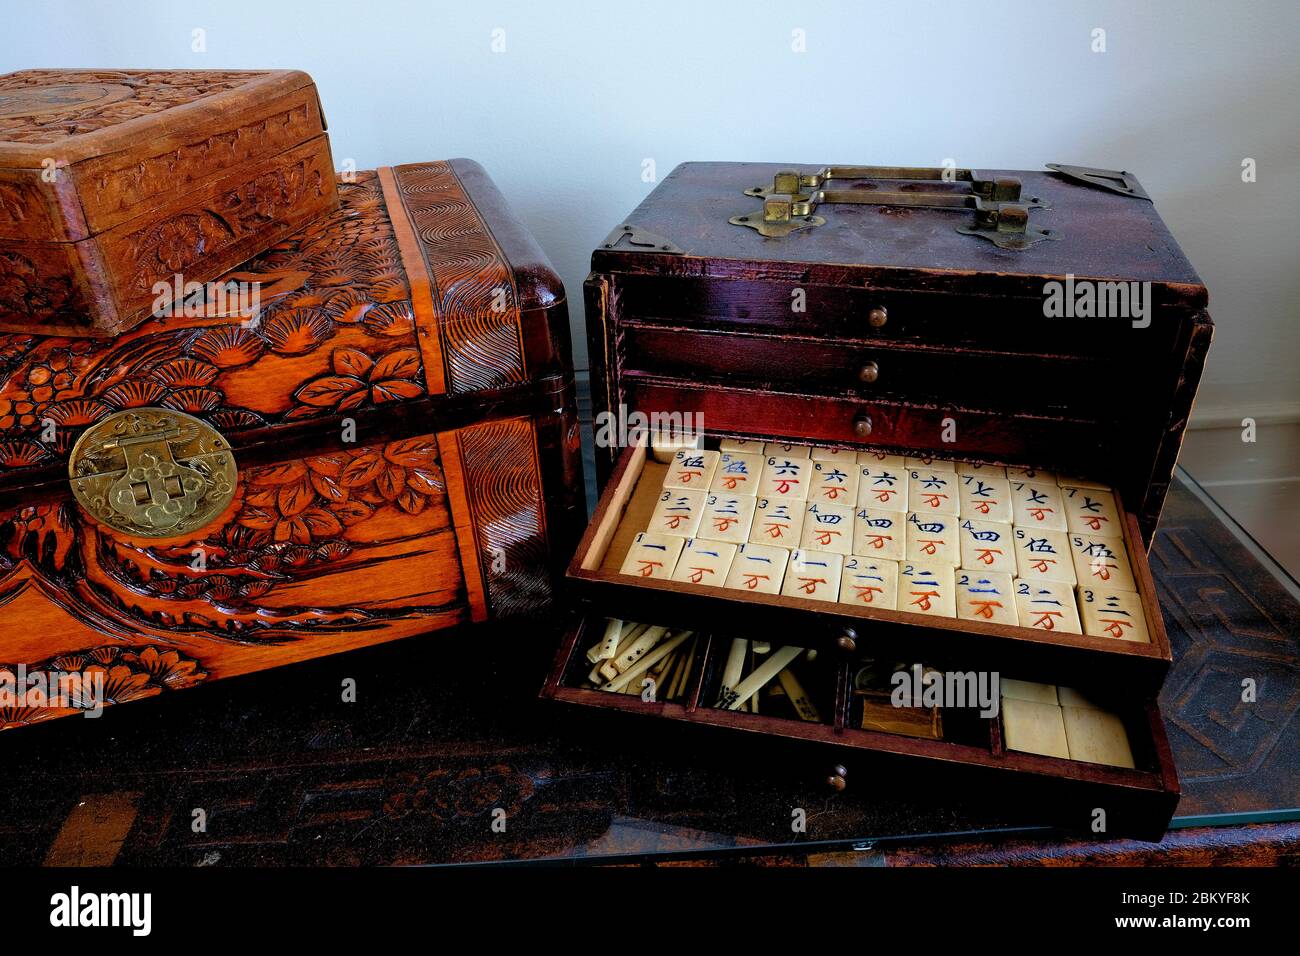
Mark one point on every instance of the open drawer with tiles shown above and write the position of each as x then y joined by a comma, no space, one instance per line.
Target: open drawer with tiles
965,564
1060,754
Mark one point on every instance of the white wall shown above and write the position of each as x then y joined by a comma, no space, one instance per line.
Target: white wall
587,90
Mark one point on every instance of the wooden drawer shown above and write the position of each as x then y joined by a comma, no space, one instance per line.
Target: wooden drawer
870,369
970,750
1013,323
625,508
1071,445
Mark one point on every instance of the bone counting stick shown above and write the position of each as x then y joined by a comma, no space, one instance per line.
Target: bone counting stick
645,663
607,647
733,670
764,672
804,707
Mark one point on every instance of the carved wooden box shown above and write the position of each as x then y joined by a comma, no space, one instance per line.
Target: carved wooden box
929,319
112,181
401,419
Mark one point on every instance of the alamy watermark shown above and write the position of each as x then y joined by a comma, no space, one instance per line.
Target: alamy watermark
59,690
924,687
620,428
1092,299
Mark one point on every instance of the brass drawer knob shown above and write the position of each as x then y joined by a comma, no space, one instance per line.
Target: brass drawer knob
877,317
862,426
836,779
869,372
847,641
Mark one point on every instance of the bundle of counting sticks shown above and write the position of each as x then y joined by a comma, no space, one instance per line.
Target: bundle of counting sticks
923,535
656,663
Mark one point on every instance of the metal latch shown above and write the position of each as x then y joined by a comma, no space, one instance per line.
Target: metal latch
1001,212
153,472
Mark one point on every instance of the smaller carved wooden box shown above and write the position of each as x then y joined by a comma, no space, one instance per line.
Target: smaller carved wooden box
112,181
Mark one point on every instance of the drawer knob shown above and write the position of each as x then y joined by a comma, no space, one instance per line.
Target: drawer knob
847,641
877,317
869,372
862,426
836,779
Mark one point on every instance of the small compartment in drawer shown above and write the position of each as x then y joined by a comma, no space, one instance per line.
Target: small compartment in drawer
849,724
612,578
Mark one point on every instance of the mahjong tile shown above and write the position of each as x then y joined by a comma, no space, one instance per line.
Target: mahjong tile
704,562
828,528
652,555
1027,690
692,469
1090,511
1036,504
727,517
1112,613
665,444
1015,475
984,596
777,521
1102,562
927,589
1031,727
745,446
879,534
737,472
758,568
1097,736
933,492
986,546
880,459
883,488
777,449
846,456
1047,606
984,498
813,574
677,512
926,463
932,539
785,477
1070,481
1043,555
977,469
869,582
834,482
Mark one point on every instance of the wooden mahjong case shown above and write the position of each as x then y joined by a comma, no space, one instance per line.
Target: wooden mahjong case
388,447
930,418
112,181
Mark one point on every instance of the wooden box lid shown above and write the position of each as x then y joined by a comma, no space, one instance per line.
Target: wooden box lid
687,226
113,180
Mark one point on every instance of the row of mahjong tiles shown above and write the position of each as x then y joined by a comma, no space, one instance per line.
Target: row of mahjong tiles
854,555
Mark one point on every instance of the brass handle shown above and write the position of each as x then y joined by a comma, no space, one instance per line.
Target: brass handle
877,317
869,372
1001,213
862,426
836,779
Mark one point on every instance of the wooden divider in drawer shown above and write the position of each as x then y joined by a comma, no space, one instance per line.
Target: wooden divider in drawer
866,368
607,578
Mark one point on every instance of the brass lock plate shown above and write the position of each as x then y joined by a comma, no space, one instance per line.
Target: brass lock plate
153,472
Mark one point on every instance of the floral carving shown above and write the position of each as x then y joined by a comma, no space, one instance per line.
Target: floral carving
359,379
123,673
448,795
